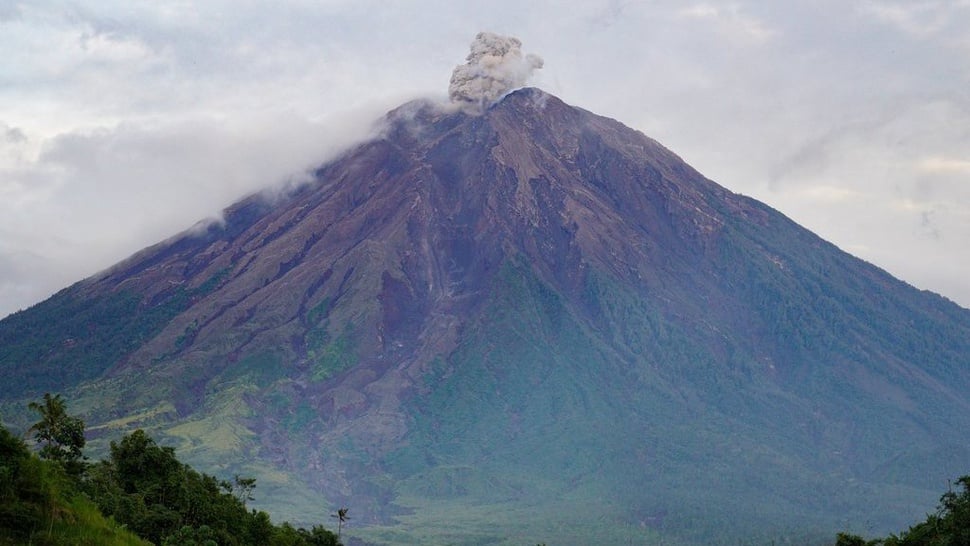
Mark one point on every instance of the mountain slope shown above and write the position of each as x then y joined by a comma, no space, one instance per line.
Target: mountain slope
533,313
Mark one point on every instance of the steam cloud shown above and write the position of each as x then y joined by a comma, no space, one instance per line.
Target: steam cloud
495,66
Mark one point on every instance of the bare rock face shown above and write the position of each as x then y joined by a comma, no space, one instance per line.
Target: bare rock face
530,308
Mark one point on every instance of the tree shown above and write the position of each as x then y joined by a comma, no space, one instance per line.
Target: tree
192,536
241,488
949,526
287,535
259,529
12,454
318,536
142,487
62,435
845,539
23,497
342,518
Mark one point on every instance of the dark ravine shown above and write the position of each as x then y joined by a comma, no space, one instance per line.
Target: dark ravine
534,313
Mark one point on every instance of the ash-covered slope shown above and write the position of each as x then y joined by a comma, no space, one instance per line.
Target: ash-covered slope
531,313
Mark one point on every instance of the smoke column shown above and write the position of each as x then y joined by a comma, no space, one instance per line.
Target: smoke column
495,67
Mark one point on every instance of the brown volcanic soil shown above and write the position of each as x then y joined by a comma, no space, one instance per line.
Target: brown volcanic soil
401,236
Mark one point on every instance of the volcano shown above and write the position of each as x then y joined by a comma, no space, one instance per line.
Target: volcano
527,324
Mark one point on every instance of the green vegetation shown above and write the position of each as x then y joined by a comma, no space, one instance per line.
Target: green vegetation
145,486
949,526
40,504
62,435
141,494
72,337
330,356
77,334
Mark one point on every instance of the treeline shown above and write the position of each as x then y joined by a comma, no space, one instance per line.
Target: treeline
140,494
948,526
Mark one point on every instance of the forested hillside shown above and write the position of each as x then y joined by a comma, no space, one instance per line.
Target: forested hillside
141,494
948,526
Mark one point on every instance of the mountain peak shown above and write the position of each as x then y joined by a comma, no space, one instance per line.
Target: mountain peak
515,307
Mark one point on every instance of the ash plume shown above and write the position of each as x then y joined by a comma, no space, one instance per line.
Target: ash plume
495,67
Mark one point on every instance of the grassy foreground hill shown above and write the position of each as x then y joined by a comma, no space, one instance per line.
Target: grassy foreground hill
39,504
948,526
141,495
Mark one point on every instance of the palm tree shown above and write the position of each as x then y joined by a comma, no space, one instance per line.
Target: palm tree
62,434
342,517
53,413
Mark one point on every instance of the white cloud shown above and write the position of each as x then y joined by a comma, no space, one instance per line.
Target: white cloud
830,194
944,165
921,18
89,199
732,22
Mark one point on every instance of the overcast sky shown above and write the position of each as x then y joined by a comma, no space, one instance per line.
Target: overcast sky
123,123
